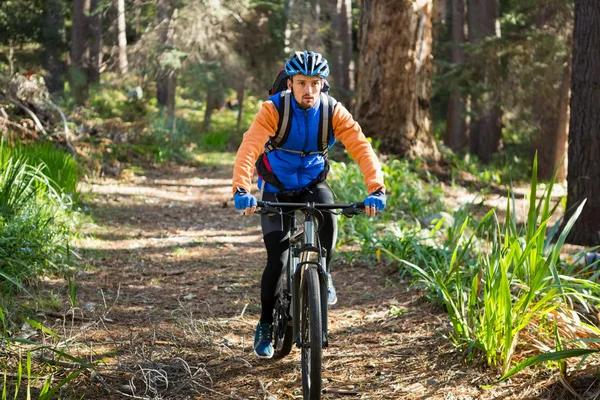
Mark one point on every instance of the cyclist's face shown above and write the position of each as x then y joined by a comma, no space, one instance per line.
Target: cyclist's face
306,89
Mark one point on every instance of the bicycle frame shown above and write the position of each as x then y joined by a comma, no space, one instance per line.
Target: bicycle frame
305,252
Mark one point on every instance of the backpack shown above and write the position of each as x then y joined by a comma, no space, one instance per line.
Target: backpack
284,125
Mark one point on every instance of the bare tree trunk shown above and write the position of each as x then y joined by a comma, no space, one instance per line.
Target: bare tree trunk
456,127
80,51
214,101
288,11
439,15
54,42
166,84
395,46
240,99
122,38
137,12
562,129
313,39
550,114
485,130
584,132
342,49
96,41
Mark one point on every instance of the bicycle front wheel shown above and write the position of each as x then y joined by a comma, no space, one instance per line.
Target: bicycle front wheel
312,337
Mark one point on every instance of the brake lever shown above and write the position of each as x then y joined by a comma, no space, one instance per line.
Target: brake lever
352,211
266,209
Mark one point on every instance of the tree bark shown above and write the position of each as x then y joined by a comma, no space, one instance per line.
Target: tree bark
455,136
96,41
485,129
80,51
122,38
394,76
54,42
342,50
584,132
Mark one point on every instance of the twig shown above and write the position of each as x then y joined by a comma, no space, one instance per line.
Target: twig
569,387
64,119
64,316
243,311
341,391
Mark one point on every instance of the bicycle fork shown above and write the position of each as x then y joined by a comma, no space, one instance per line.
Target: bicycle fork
308,257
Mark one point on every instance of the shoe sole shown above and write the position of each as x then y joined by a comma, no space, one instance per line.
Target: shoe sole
263,357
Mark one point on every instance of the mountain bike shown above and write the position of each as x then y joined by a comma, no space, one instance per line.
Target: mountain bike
300,312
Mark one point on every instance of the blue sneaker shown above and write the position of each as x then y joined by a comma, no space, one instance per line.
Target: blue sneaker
263,341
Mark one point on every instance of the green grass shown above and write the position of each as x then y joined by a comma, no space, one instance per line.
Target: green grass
35,225
495,280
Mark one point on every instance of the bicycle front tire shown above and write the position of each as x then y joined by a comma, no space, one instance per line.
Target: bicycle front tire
312,337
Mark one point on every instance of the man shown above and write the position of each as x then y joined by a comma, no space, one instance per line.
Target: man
292,166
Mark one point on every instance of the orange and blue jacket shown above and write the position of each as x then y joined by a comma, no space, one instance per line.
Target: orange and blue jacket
296,170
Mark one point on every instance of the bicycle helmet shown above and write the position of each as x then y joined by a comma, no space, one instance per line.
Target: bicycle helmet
307,63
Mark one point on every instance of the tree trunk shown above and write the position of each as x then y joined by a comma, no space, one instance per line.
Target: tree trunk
456,126
562,129
96,41
122,37
439,15
545,103
485,129
584,132
240,98
550,115
342,50
313,38
394,76
288,11
214,101
54,42
166,83
80,51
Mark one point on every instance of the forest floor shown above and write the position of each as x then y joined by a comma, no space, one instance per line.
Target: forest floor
169,299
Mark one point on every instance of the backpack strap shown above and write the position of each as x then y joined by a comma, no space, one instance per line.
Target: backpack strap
284,125
328,104
285,121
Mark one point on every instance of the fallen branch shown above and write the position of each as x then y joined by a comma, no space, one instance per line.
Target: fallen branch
5,121
67,132
37,121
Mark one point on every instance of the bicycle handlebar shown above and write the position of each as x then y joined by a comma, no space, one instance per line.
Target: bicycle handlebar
318,206
348,209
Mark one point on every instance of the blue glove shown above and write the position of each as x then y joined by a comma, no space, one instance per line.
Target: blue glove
243,200
376,199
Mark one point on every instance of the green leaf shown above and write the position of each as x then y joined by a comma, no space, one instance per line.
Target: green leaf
554,356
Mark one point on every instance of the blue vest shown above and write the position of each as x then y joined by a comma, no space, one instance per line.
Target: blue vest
295,171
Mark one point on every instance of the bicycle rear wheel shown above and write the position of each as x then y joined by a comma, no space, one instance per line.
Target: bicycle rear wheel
282,330
312,337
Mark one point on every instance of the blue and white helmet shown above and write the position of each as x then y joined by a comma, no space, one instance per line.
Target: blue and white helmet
307,63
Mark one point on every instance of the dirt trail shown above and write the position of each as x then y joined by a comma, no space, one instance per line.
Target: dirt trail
175,272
